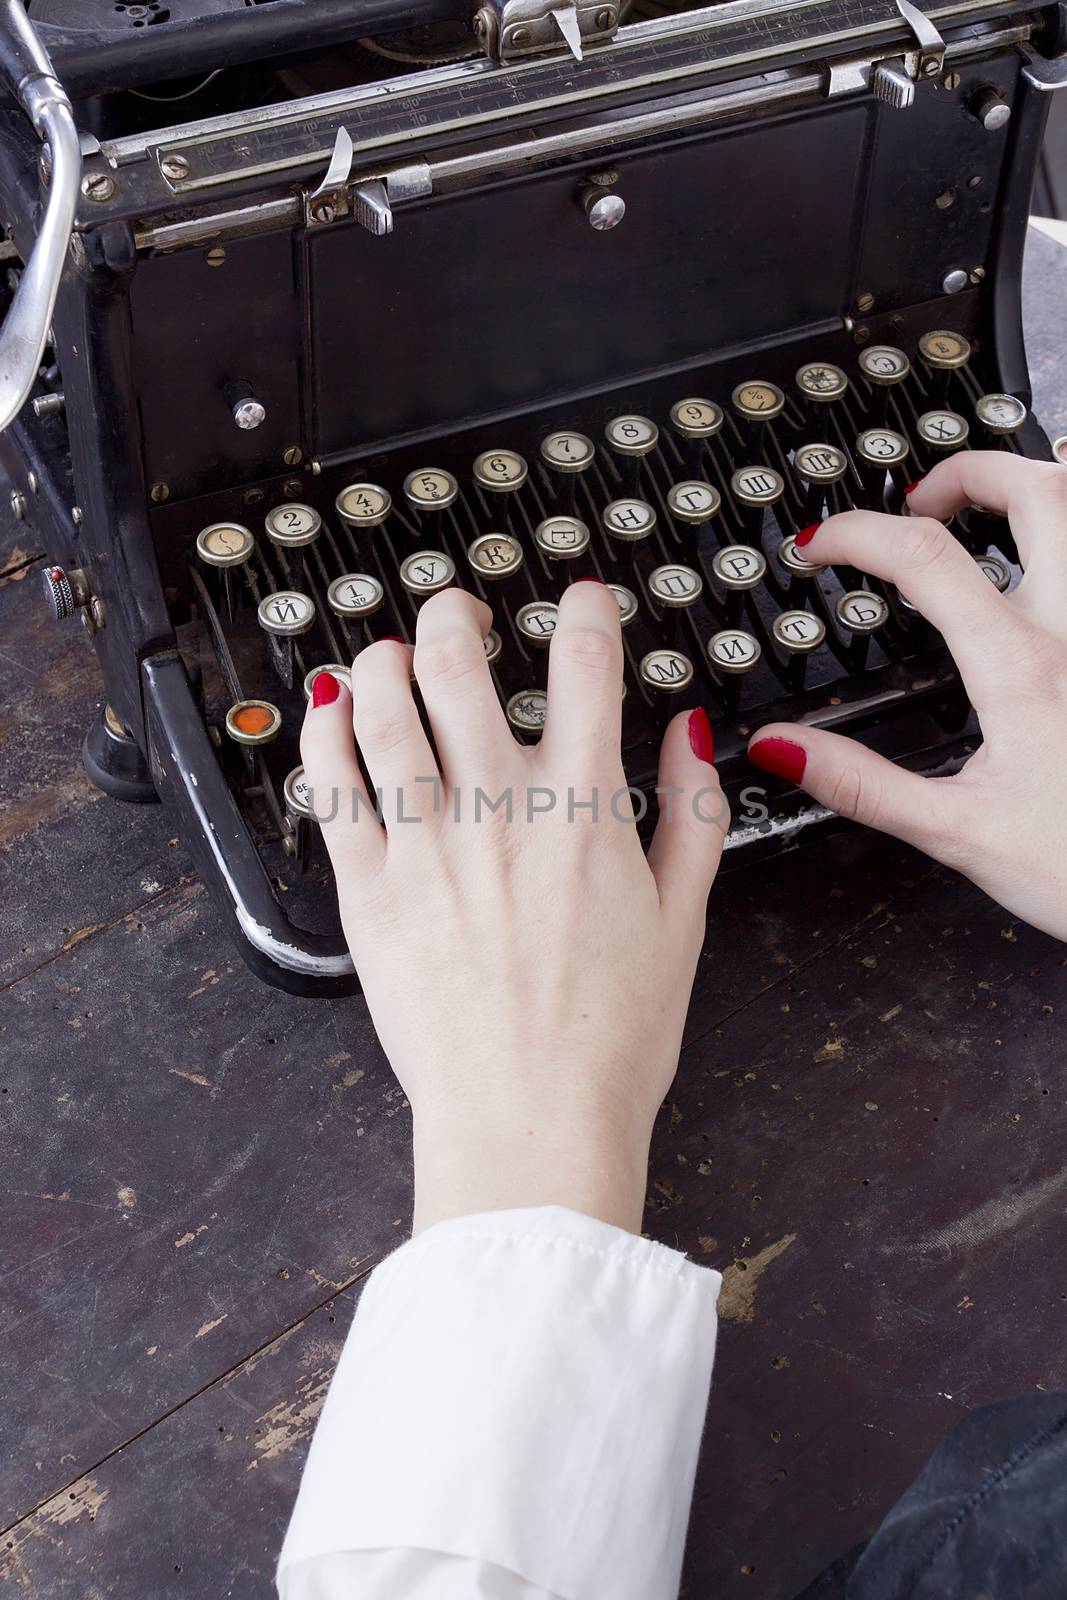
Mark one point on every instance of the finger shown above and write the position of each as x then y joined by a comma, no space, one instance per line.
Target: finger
858,784
694,817
583,724
391,738
1031,494
337,794
469,726
934,572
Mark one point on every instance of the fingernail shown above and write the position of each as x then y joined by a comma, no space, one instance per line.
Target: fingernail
913,486
391,638
325,689
589,580
780,757
701,741
806,535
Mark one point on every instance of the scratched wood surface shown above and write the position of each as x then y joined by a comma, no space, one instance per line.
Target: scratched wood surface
866,1134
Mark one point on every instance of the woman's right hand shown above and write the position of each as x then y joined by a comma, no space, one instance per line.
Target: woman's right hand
1001,820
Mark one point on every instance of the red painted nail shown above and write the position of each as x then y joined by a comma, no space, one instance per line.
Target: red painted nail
781,757
701,741
589,580
806,535
325,689
913,486
391,638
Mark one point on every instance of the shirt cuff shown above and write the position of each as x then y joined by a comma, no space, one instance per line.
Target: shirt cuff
526,1388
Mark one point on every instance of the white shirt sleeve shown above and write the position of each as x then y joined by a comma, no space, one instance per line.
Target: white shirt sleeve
516,1415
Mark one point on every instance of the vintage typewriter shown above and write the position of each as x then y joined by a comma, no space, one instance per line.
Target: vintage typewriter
315,308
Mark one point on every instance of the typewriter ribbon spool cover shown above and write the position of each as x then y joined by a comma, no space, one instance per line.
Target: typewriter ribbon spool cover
400,352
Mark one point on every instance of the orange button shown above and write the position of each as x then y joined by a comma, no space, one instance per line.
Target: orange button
252,719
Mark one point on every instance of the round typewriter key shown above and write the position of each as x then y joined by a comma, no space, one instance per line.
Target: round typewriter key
500,471
335,669
861,611
253,722
495,555
997,571
427,572
757,486
820,380
1059,451
286,613
225,544
942,430
631,435
696,419
739,566
881,447
944,351
693,502
884,364
562,538
537,621
733,650
666,671
293,525
675,585
820,463
355,594
798,631
628,520
493,646
364,505
430,489
296,792
627,602
793,560
567,452
758,402
526,710
1000,413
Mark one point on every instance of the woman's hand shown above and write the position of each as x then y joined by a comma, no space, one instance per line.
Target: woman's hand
1002,820
527,969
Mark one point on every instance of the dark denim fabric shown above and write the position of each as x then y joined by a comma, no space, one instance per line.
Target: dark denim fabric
986,1519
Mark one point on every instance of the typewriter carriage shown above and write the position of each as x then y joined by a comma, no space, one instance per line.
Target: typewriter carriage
785,225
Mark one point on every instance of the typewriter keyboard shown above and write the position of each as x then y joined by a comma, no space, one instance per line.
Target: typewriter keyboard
688,507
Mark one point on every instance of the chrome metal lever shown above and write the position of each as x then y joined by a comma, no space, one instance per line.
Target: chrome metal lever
25,62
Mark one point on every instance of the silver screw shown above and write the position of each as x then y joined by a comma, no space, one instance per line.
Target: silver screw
865,302
322,211
174,167
158,493
293,456
604,19
977,274
292,488
520,36
215,256
98,186
930,67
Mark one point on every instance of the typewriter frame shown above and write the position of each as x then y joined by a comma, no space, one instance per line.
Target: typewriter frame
87,481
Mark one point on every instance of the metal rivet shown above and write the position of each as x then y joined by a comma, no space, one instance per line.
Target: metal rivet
954,281
865,302
215,256
98,186
76,515
293,456
159,492
174,167
946,198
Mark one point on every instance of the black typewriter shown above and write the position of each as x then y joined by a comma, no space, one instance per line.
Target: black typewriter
316,308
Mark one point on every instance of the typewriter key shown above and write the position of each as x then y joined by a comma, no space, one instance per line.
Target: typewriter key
758,402
861,613
794,560
757,486
674,585
500,471
884,365
292,525
252,722
665,672
526,712
696,419
355,594
426,572
628,520
296,793
820,463
493,646
493,556
733,650
943,351
997,571
567,452
536,622
1059,451
627,602
942,430
693,502
881,447
739,566
821,381
561,538
1000,414
430,489
798,633
224,544
286,613
632,438
363,505
334,668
